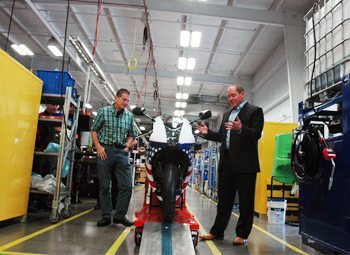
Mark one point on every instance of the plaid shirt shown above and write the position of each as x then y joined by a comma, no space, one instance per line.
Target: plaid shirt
112,128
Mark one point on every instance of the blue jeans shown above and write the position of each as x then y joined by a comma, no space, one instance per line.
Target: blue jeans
117,163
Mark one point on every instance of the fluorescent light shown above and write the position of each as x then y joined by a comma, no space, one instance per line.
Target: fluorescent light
18,49
196,38
100,73
180,80
184,38
191,62
181,113
55,50
182,63
88,106
142,128
177,119
83,53
188,81
94,113
177,113
53,46
26,49
181,95
177,104
94,71
183,104
82,50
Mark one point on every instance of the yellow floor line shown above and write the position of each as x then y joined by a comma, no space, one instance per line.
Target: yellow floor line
214,249
267,233
18,253
276,238
23,239
139,188
114,248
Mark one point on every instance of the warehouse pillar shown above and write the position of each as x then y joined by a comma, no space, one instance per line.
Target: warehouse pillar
295,65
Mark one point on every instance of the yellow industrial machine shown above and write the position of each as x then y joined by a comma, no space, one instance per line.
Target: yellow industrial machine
19,107
266,157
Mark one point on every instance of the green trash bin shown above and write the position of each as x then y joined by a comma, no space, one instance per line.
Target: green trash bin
282,169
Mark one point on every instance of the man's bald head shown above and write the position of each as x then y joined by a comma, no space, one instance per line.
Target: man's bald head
235,94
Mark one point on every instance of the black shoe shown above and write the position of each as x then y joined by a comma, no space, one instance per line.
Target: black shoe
124,221
104,222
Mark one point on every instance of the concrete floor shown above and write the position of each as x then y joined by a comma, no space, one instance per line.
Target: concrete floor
81,236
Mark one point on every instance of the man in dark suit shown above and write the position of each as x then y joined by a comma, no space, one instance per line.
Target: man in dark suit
239,133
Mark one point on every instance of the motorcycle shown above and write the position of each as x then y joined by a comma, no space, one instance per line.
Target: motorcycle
169,160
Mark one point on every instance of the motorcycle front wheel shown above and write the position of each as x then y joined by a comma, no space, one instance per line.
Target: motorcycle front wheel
169,192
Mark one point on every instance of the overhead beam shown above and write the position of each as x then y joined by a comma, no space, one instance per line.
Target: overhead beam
200,9
57,37
208,78
259,31
217,40
22,27
118,69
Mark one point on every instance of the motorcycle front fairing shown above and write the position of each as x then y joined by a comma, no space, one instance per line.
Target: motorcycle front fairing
169,146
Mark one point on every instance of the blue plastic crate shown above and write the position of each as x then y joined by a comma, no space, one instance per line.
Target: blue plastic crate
53,81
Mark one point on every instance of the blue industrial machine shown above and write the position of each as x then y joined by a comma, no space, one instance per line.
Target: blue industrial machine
321,163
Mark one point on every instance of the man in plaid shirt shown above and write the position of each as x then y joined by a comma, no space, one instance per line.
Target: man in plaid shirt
113,135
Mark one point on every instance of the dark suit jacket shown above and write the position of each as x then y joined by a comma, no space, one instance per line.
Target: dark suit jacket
243,151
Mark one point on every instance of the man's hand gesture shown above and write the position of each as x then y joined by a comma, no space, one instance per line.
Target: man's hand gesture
202,128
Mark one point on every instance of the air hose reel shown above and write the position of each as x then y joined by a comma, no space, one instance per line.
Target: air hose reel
308,146
305,155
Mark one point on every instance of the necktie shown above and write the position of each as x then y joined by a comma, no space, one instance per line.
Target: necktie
232,117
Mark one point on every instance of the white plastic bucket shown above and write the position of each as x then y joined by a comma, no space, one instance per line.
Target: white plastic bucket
276,212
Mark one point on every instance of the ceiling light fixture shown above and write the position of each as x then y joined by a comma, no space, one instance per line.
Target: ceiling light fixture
26,49
18,50
85,55
53,46
179,113
183,105
181,96
180,80
196,39
182,63
186,63
188,81
191,63
185,38
22,49
188,38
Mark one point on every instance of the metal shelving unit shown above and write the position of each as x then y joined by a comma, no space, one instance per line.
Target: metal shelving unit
68,123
